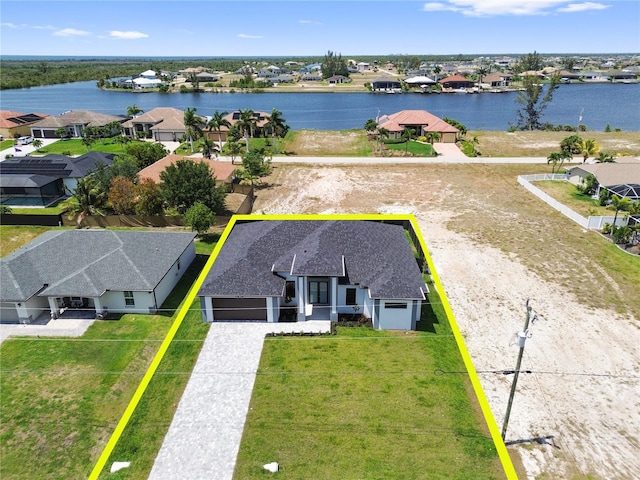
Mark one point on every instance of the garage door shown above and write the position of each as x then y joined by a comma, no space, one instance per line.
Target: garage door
240,309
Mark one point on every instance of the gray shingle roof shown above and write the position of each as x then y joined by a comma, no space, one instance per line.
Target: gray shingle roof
371,254
88,262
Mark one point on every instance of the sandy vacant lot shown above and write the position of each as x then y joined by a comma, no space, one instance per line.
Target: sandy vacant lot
493,247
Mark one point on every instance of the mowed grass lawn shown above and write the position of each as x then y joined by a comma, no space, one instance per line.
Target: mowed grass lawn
366,404
567,194
62,397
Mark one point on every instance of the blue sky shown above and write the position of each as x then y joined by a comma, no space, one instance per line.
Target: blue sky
300,27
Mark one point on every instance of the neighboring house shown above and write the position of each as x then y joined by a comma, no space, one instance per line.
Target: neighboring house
311,77
222,171
143,82
261,119
163,124
363,66
621,178
386,84
148,74
18,124
207,77
420,81
302,270
497,79
96,270
336,79
456,82
74,122
421,121
40,181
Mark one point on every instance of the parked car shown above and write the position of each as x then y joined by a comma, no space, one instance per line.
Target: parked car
25,140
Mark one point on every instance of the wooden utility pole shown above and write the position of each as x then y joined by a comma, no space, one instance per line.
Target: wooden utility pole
522,336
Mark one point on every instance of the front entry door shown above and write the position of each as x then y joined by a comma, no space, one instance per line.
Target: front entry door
319,292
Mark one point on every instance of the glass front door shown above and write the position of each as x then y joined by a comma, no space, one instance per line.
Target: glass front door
319,292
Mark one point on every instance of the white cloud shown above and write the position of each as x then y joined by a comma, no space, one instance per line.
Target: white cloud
481,8
581,7
70,32
244,35
43,27
9,25
133,35
309,22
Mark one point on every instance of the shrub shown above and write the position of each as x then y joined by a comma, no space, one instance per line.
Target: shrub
606,229
621,235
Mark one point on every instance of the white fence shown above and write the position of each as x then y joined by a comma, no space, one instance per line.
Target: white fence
591,223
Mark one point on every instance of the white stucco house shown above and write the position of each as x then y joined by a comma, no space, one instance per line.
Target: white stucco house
298,270
93,270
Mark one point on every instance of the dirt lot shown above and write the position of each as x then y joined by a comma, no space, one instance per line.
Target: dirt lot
493,247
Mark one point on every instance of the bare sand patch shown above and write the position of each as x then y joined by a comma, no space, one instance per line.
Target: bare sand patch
494,247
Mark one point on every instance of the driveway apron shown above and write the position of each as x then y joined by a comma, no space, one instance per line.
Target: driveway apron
204,437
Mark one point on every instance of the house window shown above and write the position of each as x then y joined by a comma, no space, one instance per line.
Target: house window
395,305
129,301
351,296
290,289
319,292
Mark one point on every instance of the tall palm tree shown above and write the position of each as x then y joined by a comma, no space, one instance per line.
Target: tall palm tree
278,127
557,159
370,126
408,134
193,126
216,123
133,110
619,203
588,148
380,134
247,123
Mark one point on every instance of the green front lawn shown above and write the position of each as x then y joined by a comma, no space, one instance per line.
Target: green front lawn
62,397
74,146
416,149
7,143
367,404
567,194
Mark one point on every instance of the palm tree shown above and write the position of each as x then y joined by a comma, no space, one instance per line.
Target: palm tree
556,158
193,126
605,158
407,134
379,134
619,203
133,110
208,148
234,149
482,71
588,148
247,123
432,137
370,126
278,127
37,143
88,199
216,123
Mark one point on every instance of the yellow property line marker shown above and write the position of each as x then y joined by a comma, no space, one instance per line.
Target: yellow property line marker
477,387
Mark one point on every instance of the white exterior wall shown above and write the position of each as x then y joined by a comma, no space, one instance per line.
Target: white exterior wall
8,312
368,309
396,318
174,275
114,302
31,308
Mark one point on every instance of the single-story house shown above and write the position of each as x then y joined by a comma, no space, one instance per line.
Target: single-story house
163,124
261,119
148,74
40,181
74,121
456,82
207,77
335,79
143,82
421,121
385,84
311,77
298,270
18,124
222,171
96,270
621,178
419,81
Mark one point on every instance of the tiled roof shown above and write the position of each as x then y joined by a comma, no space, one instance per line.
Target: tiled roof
221,170
372,254
78,117
406,118
11,119
87,263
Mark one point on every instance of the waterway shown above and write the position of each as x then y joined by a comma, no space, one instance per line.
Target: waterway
594,105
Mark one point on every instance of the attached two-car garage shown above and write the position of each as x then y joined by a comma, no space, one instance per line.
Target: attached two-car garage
225,309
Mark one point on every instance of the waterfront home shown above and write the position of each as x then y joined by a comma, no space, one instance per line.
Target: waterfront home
18,124
163,124
421,121
73,122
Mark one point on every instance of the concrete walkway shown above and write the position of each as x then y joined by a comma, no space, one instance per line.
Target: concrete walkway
54,328
204,437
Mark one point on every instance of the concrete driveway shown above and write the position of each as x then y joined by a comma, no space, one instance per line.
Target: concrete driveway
204,437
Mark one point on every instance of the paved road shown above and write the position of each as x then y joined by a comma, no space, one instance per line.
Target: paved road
204,437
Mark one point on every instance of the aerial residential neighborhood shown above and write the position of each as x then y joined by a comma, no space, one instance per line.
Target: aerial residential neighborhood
319,240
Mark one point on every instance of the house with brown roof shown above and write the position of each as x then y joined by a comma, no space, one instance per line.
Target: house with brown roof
18,124
621,178
421,121
163,124
222,171
73,121
456,82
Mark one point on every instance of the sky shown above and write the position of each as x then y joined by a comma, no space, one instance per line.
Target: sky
210,28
